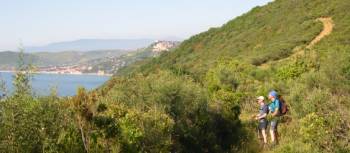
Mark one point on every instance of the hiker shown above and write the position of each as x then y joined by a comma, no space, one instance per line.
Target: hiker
261,117
274,108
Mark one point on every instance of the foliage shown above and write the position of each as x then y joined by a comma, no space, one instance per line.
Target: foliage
183,102
22,77
313,128
197,98
292,71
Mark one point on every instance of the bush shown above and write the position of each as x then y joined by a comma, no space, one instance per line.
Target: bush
293,70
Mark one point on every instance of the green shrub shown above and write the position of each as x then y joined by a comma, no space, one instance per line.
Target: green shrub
292,71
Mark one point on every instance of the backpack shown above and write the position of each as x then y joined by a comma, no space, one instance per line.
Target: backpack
283,107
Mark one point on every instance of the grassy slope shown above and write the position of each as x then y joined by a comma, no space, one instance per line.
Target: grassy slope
271,33
264,33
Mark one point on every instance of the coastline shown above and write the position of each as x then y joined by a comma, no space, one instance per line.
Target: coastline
56,73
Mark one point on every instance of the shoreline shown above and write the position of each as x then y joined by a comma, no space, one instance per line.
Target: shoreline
92,74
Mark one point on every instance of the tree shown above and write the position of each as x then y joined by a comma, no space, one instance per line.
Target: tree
22,76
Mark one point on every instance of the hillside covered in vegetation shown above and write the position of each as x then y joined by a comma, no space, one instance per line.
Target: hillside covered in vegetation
112,64
199,97
9,59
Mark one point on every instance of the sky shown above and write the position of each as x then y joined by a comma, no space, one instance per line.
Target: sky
39,22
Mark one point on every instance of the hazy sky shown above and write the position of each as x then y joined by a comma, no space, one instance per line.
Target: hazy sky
38,22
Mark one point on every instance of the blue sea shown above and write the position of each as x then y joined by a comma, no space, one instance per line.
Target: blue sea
65,84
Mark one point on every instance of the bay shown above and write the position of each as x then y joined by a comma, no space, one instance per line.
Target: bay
65,84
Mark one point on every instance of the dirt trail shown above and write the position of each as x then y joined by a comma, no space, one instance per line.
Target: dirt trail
327,29
328,26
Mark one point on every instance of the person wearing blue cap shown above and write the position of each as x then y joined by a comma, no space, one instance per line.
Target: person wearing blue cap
274,108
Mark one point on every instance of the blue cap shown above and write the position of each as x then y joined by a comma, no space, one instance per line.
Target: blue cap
273,93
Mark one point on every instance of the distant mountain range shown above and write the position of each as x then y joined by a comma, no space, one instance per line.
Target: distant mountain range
92,44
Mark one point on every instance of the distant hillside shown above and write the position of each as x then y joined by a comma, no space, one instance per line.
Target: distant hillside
92,44
108,61
8,59
112,64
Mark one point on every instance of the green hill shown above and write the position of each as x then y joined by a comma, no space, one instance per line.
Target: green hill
199,97
274,47
265,33
9,59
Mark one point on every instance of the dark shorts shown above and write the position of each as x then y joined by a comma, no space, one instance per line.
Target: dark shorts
262,124
274,124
